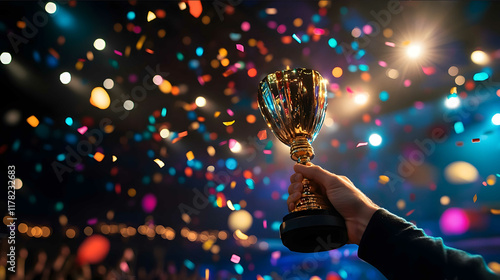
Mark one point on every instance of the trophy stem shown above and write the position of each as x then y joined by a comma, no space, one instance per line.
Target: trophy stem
302,152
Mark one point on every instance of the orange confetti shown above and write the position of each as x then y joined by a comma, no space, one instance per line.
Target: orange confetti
150,51
228,123
495,211
183,134
190,155
33,121
474,198
54,53
262,134
98,156
195,8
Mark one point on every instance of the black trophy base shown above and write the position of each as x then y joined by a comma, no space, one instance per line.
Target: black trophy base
310,231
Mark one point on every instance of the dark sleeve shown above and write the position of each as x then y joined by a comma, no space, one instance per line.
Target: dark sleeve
401,251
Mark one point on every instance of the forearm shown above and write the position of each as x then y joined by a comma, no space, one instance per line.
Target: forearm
401,251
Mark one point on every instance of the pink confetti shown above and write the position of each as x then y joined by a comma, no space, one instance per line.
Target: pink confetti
235,258
82,129
200,80
407,83
390,44
118,53
268,152
124,267
429,70
349,90
92,221
319,31
361,144
484,184
264,223
378,122
382,63
232,142
240,47
222,143
229,112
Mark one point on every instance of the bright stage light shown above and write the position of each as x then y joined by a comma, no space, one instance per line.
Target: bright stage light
375,140
496,119
452,102
201,101
480,57
50,8
164,133
99,44
361,98
5,58
65,78
128,105
414,51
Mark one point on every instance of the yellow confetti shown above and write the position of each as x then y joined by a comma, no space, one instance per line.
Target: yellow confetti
230,205
475,198
216,114
114,158
233,184
190,155
207,273
207,244
495,211
228,123
382,179
453,90
151,16
33,121
140,43
240,235
159,162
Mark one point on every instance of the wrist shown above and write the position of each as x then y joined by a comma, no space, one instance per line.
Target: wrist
362,222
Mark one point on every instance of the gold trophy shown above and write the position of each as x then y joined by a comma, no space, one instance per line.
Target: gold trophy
293,103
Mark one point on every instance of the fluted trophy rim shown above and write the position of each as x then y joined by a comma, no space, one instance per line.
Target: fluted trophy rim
306,124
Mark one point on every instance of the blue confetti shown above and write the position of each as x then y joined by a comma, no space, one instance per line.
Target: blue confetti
296,38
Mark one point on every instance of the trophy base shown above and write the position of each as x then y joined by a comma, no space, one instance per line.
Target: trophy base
310,231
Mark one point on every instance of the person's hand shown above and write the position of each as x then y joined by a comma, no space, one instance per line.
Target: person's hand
356,208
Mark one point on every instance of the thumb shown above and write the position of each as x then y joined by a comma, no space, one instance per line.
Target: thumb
314,173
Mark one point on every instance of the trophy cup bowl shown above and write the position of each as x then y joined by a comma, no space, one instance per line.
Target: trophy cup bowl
293,104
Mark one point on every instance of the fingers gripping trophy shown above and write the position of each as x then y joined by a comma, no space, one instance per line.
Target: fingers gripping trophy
293,103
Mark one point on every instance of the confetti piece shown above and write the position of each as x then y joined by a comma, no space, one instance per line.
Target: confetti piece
495,211
228,123
228,73
150,51
183,134
476,140
240,235
222,143
114,158
232,142
382,63
264,223
190,155
235,258
230,112
349,90
410,212
390,44
429,70
262,134
268,152
240,47
383,179
140,42
453,90
296,38
195,8
151,16
159,162
98,156
118,53
474,198
361,144
82,129
207,273
230,205
216,114
33,121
